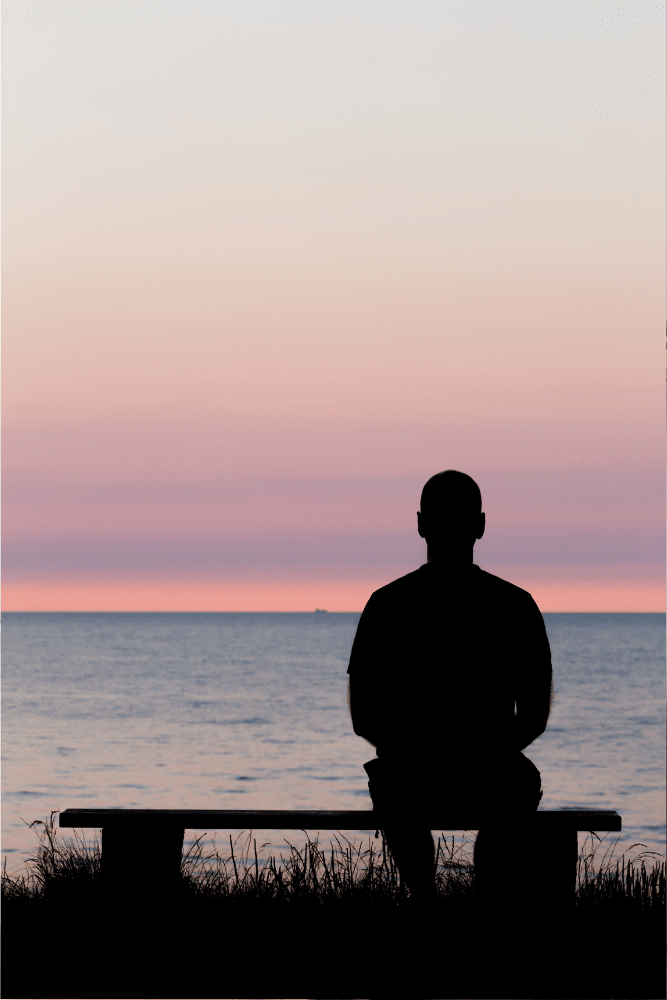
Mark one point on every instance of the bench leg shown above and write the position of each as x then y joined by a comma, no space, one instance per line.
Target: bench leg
542,880
559,850
551,876
136,857
526,886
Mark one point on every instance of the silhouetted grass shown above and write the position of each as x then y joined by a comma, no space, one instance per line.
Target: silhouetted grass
331,900
69,864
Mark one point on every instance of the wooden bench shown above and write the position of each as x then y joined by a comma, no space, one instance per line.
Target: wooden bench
126,831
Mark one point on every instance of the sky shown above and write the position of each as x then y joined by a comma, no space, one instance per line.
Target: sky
269,266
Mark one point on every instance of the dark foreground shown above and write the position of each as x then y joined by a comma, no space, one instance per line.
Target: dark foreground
252,950
322,923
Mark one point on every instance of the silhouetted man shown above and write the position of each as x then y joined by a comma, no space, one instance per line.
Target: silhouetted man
450,679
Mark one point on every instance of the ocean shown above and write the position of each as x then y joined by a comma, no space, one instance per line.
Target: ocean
249,710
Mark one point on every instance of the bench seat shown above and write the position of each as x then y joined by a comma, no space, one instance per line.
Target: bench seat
128,835
316,819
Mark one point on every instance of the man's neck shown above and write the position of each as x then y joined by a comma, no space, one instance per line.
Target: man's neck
449,560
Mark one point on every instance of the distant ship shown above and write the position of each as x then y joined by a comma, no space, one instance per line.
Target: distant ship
320,611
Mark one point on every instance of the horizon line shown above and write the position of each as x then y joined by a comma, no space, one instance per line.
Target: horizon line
269,611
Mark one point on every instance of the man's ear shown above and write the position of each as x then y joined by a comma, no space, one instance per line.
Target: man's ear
420,526
481,525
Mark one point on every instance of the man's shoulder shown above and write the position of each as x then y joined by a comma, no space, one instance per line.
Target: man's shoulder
398,588
504,588
500,592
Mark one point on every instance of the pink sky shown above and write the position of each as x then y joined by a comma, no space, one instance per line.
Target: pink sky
271,276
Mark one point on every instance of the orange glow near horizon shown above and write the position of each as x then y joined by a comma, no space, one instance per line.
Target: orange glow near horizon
624,588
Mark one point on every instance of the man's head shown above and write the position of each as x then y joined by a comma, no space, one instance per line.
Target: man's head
451,517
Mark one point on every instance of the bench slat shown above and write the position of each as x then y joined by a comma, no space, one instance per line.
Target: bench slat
317,819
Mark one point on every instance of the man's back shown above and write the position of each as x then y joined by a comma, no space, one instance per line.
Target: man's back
440,660
443,657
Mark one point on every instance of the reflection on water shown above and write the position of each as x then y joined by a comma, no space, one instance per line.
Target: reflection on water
223,710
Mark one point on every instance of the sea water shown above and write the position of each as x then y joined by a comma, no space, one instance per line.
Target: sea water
249,710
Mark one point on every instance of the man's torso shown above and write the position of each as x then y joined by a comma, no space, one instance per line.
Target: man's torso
445,655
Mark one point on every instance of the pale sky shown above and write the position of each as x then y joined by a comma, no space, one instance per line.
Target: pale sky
269,266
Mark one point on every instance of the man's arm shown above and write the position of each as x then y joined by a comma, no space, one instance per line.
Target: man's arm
535,684
363,696
361,703
532,712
